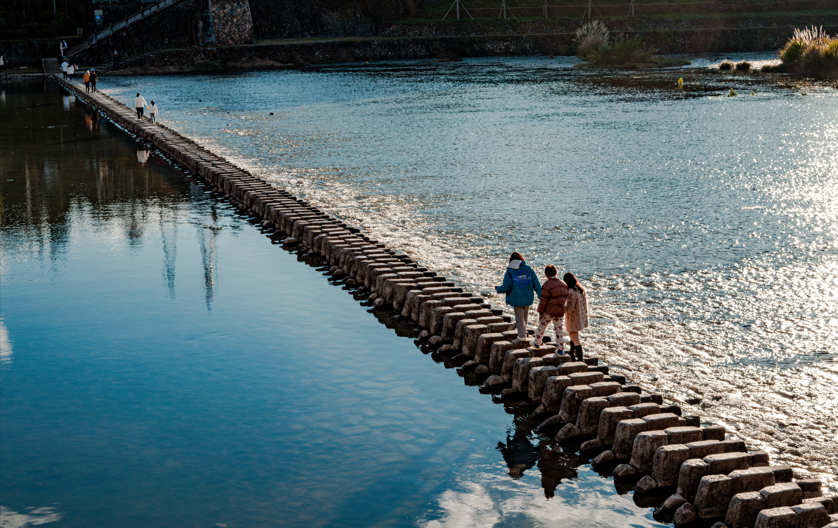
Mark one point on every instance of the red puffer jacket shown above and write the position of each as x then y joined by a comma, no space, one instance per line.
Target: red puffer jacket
553,297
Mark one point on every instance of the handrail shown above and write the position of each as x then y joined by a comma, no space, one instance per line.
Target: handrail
128,21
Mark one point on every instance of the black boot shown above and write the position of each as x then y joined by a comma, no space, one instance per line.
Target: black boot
579,353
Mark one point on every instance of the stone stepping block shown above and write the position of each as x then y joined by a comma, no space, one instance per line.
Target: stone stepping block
624,399
811,515
624,437
777,518
644,409
609,419
512,356
538,378
589,414
827,502
644,448
483,348
449,323
498,353
460,329
604,389
661,421
751,479
713,496
651,398
572,400
573,367
783,494
667,463
812,488
585,378
521,372
683,435
743,509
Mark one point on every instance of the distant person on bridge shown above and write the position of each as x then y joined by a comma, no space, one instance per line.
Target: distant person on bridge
70,71
152,112
62,45
520,285
1,64
115,59
93,79
86,80
139,104
64,66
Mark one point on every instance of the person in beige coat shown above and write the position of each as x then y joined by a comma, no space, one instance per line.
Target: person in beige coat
575,314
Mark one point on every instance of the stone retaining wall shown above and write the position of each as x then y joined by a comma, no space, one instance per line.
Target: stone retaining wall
631,433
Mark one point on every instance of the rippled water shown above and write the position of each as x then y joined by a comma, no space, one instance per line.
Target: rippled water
162,363
705,225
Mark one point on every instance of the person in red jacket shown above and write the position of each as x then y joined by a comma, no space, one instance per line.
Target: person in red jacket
551,307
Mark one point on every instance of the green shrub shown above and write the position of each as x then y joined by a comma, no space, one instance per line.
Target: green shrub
623,52
775,68
726,65
743,66
792,51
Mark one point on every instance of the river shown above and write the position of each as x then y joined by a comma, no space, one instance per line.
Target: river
704,225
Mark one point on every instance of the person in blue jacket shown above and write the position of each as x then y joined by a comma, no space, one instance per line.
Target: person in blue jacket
520,284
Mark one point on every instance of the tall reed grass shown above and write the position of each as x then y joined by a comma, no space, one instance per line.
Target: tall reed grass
810,50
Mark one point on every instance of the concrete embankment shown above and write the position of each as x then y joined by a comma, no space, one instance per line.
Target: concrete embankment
624,432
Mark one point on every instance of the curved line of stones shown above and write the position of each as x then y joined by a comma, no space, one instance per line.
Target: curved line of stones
628,433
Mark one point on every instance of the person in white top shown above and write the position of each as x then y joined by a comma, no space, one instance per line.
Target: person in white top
1,64
64,67
70,71
152,112
139,104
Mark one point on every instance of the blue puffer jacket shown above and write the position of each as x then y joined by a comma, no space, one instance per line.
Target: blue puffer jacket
519,284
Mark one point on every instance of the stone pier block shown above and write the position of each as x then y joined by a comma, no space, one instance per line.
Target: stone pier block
437,319
683,435
827,502
811,515
713,496
425,312
645,446
689,477
521,372
633,388
782,473
573,367
497,353
555,359
743,509
755,458
686,515
520,344
624,399
501,327
572,399
735,446
554,389
777,518
589,413
608,421
538,378
644,409
603,389
705,448
460,330
509,363
483,348
783,494
751,479
662,421
714,432
725,463
471,334
811,488
586,378
624,437
667,462
449,324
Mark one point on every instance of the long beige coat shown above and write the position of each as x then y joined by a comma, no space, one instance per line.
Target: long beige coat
576,311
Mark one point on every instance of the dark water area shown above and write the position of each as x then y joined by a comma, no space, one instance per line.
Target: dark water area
703,225
165,363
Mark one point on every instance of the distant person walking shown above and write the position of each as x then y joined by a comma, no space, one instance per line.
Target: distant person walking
94,78
115,59
139,105
1,64
520,286
70,71
86,80
551,307
64,66
62,45
152,112
575,314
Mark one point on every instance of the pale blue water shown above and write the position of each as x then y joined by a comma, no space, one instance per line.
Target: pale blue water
164,364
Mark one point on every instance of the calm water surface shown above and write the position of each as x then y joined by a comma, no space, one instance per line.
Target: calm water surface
164,364
705,225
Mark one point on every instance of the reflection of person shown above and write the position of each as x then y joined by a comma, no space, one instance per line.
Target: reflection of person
520,286
152,112
139,105
576,313
551,307
1,64
142,155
